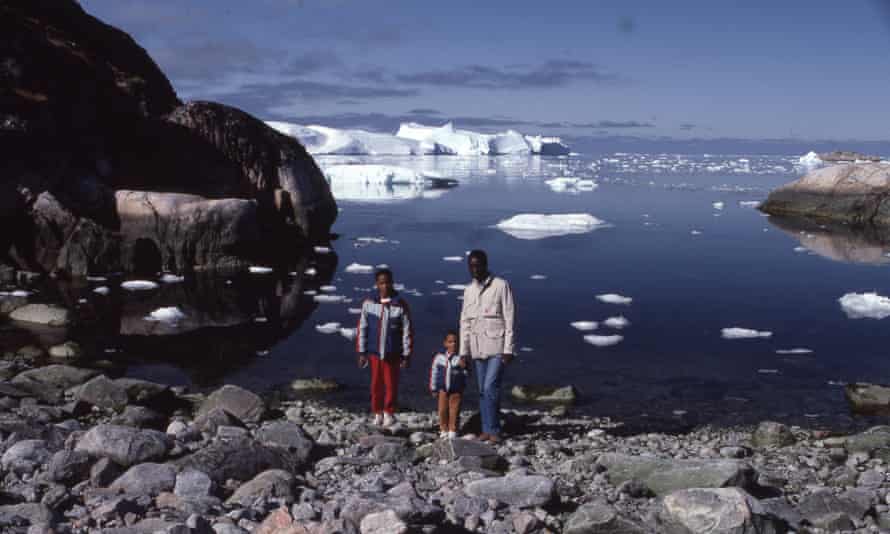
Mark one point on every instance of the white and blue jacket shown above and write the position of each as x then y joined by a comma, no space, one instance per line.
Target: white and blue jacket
385,329
446,375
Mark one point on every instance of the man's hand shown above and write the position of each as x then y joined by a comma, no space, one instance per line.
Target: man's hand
506,358
362,360
405,363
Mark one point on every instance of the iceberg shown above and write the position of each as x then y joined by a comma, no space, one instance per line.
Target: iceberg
539,226
101,290
865,305
614,298
742,333
330,299
717,205
547,146
349,333
376,183
169,278
603,341
324,140
453,258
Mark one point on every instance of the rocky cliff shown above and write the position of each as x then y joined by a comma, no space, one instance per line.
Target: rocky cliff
88,122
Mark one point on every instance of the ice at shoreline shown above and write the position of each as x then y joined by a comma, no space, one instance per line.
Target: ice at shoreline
865,305
614,298
603,341
530,226
743,333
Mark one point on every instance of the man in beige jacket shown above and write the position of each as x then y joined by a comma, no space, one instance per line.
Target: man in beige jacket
486,335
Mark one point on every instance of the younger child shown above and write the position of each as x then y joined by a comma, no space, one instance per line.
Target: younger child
448,377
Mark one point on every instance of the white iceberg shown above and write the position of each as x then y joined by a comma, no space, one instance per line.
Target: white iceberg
810,161
540,226
584,325
139,285
354,311
794,351
617,322
603,341
865,305
369,240
321,250
358,268
328,328
614,298
743,333
96,278
169,315
324,140
311,271
256,269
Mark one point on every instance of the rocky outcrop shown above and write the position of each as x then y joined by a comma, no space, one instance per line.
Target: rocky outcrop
855,194
88,116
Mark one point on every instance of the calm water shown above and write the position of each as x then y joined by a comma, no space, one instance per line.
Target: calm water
690,268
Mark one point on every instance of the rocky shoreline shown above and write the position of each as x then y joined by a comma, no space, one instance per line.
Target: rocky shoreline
82,452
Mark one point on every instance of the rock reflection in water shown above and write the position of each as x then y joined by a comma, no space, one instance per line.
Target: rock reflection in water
838,242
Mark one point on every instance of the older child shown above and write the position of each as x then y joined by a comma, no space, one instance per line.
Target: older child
448,377
385,340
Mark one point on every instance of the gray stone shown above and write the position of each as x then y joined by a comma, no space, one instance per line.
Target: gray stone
873,439
854,503
286,435
715,510
452,449
772,434
192,484
28,513
538,393
385,522
271,484
303,512
147,478
870,479
125,445
140,417
50,382
391,452
663,476
833,522
103,392
868,399
26,456
210,421
244,405
525,523
520,490
69,467
227,528
356,507
596,518
103,472
239,459
45,314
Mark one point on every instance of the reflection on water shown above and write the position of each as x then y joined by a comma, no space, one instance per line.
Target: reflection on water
838,242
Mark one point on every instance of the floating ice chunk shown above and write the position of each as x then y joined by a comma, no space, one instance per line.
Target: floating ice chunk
526,349
800,249
540,226
603,341
374,240
810,161
618,322
322,250
439,293
262,353
440,282
453,258
743,333
261,319
96,279
255,269
562,184
768,371
311,271
584,325
614,298
538,277
749,203
170,315
865,305
81,301
382,266
15,293
354,311
348,333
139,285
457,287
794,351
717,205
358,268
328,328
169,278
328,289
695,232
310,292
330,299
102,290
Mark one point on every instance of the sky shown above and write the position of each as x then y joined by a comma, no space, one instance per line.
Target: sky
653,69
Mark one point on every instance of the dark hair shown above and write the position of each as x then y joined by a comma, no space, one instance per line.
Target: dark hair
381,272
479,254
452,333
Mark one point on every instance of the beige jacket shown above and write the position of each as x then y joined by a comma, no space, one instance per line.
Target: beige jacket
487,318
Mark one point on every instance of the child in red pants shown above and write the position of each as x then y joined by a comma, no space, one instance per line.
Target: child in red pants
385,340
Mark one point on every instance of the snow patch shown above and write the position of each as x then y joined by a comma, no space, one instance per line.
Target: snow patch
865,305
540,226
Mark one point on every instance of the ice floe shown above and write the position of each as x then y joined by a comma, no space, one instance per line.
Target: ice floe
102,290
794,351
328,299
311,271
328,289
603,341
749,203
865,305
457,287
538,277
96,278
614,298
139,285
169,278
618,322
717,205
255,269
584,325
526,349
695,232
570,184
743,333
15,293
354,311
541,226
348,333
170,315
358,268
328,328
322,250
371,240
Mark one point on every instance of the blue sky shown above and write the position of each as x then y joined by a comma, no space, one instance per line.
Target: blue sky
680,69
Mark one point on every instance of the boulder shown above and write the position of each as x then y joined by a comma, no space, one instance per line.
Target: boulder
244,405
713,511
519,490
288,436
45,314
50,382
663,475
69,467
210,421
25,456
146,479
385,522
238,459
271,484
140,417
872,440
854,194
409,509
26,514
453,449
103,392
868,399
540,393
596,518
848,156
772,434
124,445
854,503
193,484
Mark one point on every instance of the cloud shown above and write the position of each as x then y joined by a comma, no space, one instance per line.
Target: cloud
312,62
550,73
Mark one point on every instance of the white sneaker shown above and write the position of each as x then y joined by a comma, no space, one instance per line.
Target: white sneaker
378,419
451,435
389,419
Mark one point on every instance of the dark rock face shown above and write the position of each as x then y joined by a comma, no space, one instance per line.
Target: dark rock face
88,114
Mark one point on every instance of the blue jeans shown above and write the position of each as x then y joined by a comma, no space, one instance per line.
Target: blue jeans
488,375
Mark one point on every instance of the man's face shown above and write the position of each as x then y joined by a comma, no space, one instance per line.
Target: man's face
384,285
478,268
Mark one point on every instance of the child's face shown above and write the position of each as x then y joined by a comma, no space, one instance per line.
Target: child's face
384,285
451,343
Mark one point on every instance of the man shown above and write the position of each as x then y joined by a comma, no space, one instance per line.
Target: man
486,336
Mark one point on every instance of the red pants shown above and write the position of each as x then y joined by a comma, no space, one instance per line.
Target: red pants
384,384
